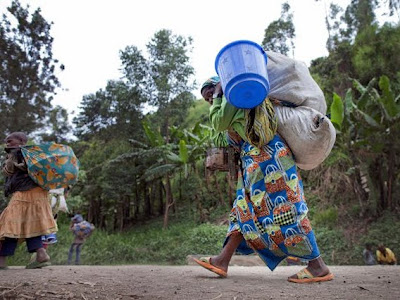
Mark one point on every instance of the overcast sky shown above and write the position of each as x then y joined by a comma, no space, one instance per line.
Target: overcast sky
88,34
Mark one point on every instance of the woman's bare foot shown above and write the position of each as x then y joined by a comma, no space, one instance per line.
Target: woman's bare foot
222,260
41,255
219,262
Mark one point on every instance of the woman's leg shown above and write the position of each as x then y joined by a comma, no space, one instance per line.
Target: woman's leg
223,259
8,247
78,254
70,253
35,244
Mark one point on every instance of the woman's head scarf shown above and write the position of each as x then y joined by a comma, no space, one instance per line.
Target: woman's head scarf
212,81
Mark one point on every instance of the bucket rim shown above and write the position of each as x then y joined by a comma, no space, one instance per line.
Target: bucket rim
234,43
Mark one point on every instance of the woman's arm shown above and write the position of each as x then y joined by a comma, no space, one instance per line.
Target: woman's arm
219,139
222,114
8,166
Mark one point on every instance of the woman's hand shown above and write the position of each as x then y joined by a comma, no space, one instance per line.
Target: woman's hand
218,89
211,92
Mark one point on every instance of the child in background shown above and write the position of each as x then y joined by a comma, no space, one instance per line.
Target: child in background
368,255
81,230
28,214
385,256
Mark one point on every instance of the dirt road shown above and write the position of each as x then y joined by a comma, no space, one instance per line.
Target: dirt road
194,282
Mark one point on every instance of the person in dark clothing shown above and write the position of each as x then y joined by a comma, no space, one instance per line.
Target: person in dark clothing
17,178
28,215
368,255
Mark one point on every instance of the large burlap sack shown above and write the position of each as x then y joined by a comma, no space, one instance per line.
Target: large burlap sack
309,134
291,81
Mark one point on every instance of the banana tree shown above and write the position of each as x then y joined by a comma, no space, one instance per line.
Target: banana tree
185,148
369,128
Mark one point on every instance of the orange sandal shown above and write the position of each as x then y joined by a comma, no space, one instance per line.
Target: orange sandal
305,276
205,262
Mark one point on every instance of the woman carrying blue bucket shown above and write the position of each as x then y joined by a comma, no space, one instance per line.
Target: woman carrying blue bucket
269,214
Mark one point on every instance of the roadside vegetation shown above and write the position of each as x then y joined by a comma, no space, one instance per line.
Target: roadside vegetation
143,181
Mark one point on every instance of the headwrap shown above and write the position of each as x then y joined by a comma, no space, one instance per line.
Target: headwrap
210,81
261,124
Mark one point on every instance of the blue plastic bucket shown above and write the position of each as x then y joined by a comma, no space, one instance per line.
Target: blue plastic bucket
242,68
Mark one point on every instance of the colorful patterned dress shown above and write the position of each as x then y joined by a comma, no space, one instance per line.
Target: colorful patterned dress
270,210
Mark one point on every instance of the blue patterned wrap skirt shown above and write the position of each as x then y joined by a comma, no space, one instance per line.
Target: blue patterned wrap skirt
270,209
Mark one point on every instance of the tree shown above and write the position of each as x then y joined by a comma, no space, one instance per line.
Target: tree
358,16
164,160
279,34
358,49
59,129
333,25
165,77
112,113
394,5
375,53
369,133
27,69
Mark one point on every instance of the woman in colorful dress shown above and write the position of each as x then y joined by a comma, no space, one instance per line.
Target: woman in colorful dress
269,214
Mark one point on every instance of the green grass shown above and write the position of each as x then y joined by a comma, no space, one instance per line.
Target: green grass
150,244
146,244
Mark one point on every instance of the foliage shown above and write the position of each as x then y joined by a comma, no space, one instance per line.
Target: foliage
337,111
384,231
59,128
138,164
197,113
334,247
279,35
369,132
375,54
164,78
27,71
113,113
358,16
327,218
147,244
358,49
